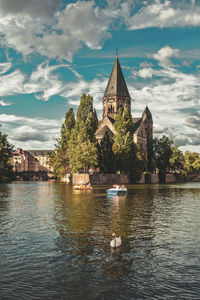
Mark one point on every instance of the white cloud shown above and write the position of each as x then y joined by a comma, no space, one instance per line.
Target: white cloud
4,67
37,26
3,103
145,73
164,55
31,133
11,84
171,96
34,122
87,22
165,14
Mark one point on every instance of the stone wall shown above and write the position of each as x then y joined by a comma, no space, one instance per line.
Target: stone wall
154,178
170,178
97,178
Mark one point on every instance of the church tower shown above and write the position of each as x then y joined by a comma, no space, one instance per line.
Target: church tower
116,94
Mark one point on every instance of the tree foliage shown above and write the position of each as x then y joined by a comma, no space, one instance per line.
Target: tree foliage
6,149
59,158
83,154
192,162
106,156
127,156
176,162
162,153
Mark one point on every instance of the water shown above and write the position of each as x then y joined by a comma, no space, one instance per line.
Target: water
54,243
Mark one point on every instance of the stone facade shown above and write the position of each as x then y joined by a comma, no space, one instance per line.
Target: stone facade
30,161
117,95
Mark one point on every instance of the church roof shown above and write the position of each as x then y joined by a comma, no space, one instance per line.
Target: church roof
104,130
137,122
116,85
147,112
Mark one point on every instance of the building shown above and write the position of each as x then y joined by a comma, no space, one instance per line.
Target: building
30,161
42,158
117,95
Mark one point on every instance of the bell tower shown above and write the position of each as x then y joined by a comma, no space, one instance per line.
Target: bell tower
116,94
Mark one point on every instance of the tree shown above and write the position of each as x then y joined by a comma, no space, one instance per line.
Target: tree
85,108
6,149
192,162
128,158
176,162
82,152
59,159
82,143
162,153
106,156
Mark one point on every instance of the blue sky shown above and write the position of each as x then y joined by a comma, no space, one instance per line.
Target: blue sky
52,51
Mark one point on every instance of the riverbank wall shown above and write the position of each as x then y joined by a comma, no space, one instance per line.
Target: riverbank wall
98,178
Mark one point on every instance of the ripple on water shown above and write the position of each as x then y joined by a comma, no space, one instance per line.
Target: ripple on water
55,244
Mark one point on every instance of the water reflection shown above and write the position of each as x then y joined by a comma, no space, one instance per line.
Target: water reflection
5,192
55,243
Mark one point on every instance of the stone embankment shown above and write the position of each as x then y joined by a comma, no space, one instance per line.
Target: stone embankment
98,178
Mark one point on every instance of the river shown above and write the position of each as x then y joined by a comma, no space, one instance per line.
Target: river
54,243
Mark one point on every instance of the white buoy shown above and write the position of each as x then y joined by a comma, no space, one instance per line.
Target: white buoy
116,241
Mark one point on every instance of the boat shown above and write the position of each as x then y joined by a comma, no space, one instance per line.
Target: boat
82,187
117,190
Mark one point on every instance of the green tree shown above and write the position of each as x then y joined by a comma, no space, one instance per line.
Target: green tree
59,158
83,154
192,162
162,153
6,149
106,156
176,162
127,156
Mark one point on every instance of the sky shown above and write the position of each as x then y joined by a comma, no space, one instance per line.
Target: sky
53,51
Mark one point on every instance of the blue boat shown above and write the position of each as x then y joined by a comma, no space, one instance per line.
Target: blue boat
118,190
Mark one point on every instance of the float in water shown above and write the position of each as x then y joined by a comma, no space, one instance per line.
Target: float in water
82,187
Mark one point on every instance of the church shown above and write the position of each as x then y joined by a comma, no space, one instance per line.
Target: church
117,95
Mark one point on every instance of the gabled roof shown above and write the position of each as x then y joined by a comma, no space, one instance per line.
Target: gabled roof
104,130
39,152
116,85
137,122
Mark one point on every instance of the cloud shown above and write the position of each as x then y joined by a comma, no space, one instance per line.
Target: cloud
159,129
31,133
37,26
164,14
34,122
181,141
164,55
4,67
87,22
32,7
194,121
145,73
12,84
3,103
30,136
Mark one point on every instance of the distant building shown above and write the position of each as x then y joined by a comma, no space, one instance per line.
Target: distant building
117,95
30,161
42,157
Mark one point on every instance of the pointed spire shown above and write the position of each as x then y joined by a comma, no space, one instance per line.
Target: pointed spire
147,114
116,85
